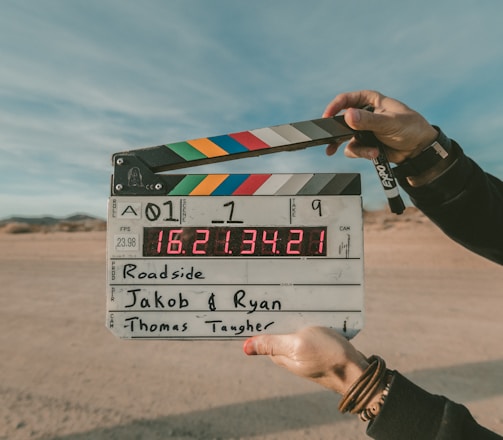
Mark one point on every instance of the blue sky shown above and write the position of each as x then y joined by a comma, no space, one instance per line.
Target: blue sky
83,79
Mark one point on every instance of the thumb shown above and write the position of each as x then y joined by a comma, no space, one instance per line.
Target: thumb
359,119
269,345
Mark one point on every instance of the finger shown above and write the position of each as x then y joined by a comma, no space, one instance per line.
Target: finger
354,150
268,345
332,148
249,347
351,100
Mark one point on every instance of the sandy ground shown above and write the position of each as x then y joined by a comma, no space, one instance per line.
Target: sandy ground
433,311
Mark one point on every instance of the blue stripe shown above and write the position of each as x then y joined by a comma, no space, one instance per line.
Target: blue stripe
228,144
229,185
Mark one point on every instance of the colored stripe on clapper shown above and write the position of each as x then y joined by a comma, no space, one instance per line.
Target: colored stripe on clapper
207,147
302,134
266,184
208,184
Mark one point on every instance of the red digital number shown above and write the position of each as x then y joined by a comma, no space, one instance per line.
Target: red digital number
294,244
221,242
159,241
322,242
203,242
317,242
249,242
227,241
175,245
273,242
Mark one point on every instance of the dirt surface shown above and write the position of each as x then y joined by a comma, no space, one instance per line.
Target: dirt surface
433,311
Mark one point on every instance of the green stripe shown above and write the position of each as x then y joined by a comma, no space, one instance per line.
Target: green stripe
186,151
187,184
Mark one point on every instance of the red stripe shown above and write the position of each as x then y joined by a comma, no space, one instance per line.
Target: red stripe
251,184
249,140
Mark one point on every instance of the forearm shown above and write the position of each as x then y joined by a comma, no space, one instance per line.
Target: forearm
410,412
463,191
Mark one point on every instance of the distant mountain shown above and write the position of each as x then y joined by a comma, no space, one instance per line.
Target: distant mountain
81,217
31,220
48,220
72,223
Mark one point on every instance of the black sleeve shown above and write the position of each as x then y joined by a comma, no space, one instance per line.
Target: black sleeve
466,203
411,413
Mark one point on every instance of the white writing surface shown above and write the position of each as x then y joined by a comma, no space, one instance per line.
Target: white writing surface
220,267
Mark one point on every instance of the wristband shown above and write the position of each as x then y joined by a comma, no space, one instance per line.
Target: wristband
429,157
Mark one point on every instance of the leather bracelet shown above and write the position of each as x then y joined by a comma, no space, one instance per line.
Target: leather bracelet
430,156
357,396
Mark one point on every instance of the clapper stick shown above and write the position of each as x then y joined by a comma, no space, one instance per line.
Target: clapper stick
136,172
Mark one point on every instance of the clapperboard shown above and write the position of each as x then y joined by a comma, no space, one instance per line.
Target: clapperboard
223,256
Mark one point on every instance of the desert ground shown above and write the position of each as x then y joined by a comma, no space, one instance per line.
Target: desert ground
433,311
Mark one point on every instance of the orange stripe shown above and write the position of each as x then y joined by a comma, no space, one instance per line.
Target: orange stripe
208,148
208,185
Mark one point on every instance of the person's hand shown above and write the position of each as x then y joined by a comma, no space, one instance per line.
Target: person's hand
404,131
316,353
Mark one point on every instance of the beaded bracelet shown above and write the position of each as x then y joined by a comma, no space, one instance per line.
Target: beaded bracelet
371,412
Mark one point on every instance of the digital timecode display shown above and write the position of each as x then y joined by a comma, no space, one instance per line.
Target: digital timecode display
223,241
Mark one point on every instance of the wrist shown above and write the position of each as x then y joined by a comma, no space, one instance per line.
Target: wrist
366,395
352,372
432,173
427,164
429,136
